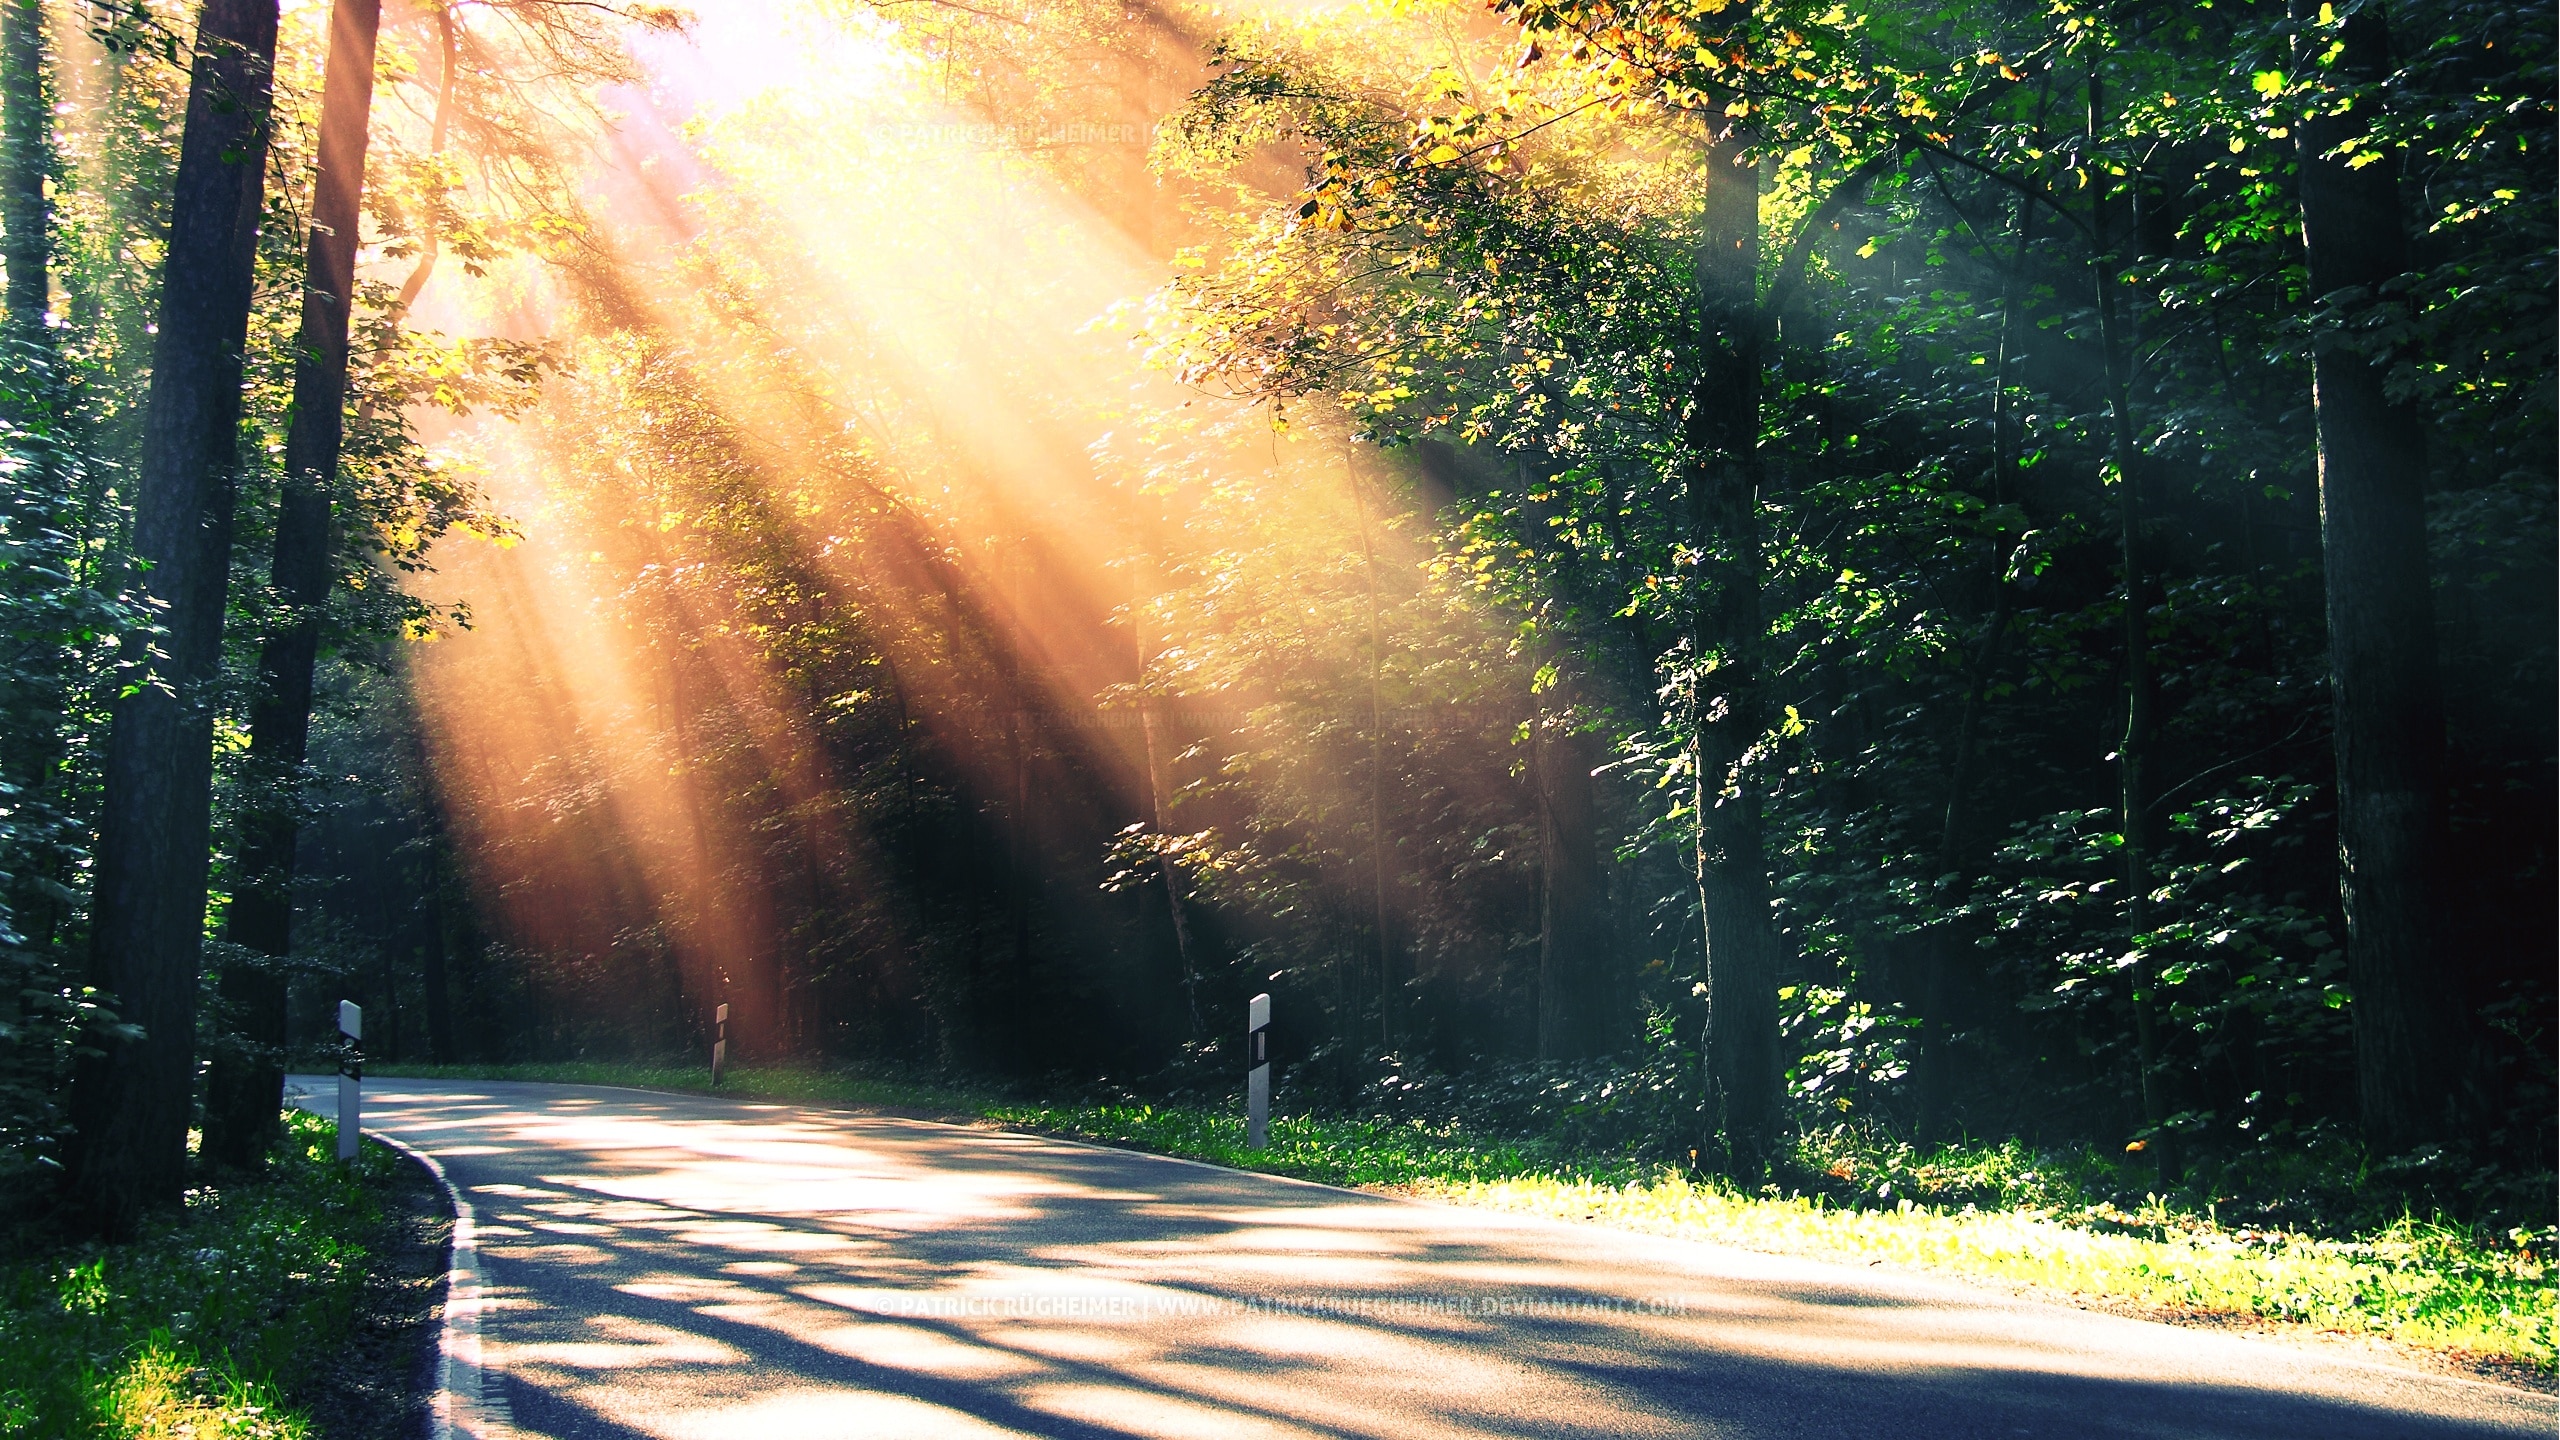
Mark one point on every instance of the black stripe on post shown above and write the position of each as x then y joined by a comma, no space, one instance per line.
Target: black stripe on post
1257,1078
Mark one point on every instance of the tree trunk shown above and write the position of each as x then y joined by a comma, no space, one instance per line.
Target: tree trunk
1165,868
435,901
131,1094
245,1089
1721,432
1937,1060
2382,670
38,556
436,991
1389,990
1153,780
25,218
2133,752
1573,931
1935,1070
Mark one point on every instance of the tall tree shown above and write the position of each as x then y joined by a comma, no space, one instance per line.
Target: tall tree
1382,933
2133,750
37,558
132,1093
26,241
1721,480
1573,895
246,1086
2382,664
1152,783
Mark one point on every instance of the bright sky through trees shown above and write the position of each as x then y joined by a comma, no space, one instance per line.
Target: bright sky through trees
874,306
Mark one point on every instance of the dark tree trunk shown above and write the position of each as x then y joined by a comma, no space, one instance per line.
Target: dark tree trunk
33,516
1152,779
1390,991
436,905
1175,911
478,1032
1934,1074
26,117
435,990
2133,752
245,1088
1023,895
2389,716
131,1096
1935,1077
1573,929
1722,434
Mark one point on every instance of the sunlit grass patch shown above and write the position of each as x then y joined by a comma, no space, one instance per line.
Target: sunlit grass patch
162,1394
196,1329
2413,1282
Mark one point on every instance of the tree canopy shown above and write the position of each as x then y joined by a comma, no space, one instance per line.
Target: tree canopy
1697,570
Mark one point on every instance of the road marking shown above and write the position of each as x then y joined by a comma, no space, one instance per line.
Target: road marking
466,1406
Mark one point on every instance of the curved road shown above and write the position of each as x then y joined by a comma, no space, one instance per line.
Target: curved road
687,1268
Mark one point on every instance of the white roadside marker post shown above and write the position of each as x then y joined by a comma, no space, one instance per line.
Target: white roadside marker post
719,1042
1257,1081
350,1079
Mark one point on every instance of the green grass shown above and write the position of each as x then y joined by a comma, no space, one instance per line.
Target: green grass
1362,1153
199,1327
2413,1282
1996,1212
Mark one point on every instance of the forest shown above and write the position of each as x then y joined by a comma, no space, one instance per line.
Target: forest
1692,575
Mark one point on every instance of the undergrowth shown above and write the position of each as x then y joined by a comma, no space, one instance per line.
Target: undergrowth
2417,1282
202,1326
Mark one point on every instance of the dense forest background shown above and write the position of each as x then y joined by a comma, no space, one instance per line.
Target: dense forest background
1683,572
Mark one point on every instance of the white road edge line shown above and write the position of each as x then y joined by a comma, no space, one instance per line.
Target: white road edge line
466,1406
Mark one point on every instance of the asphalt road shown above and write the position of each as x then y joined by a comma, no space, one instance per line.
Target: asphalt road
669,1266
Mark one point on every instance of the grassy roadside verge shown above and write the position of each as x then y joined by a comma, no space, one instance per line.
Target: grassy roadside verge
2432,1286
2419,1284
206,1325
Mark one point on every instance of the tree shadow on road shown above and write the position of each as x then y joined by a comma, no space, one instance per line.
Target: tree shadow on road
672,1267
